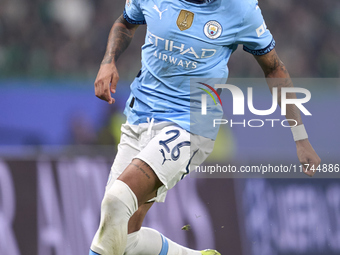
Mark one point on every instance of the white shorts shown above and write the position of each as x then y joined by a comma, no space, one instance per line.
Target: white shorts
167,148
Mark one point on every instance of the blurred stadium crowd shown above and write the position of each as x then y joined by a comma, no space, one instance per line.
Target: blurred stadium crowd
57,139
53,40
67,38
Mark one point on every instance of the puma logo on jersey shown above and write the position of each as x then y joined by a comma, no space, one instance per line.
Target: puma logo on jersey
164,158
160,12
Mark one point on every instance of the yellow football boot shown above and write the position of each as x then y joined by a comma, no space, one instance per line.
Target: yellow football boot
210,252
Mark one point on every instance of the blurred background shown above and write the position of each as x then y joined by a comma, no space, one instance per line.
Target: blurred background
57,140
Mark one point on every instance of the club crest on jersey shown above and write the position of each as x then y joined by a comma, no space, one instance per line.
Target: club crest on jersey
128,3
212,29
185,19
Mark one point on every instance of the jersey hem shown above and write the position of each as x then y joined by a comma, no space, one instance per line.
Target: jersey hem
132,21
261,52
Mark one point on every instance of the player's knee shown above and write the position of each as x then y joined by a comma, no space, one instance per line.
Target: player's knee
119,203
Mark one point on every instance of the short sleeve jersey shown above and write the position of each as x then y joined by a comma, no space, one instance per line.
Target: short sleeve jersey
187,40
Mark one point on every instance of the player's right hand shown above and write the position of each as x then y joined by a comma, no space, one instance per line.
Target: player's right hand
106,82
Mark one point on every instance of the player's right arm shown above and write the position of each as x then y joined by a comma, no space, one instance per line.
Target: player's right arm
119,39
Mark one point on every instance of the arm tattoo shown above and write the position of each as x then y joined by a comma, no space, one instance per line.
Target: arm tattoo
275,65
278,76
120,37
140,169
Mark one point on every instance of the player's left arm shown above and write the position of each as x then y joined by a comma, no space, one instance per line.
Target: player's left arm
273,67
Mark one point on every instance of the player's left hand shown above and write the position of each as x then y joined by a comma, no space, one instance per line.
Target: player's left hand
308,157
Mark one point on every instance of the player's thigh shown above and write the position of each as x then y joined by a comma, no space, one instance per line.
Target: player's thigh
164,161
168,155
141,179
172,154
128,148
164,156
134,172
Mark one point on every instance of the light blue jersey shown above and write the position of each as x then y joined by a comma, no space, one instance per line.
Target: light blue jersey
187,40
